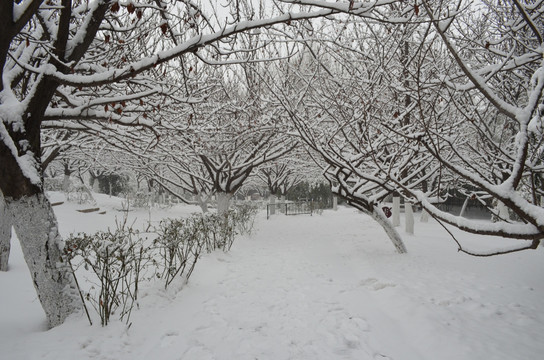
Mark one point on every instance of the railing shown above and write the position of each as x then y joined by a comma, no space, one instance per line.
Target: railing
290,208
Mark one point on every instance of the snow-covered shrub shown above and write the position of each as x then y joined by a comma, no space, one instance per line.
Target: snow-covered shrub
179,243
244,218
117,260
219,230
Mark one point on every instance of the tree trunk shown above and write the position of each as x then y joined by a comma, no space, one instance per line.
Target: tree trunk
378,215
396,211
503,211
272,201
36,227
464,207
66,183
409,218
335,202
424,216
203,203
94,184
5,235
223,202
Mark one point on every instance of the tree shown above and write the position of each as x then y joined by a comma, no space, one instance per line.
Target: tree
5,235
237,134
497,93
474,84
71,63
340,102
280,176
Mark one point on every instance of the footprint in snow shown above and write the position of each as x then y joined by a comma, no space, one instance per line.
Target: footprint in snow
347,335
373,284
168,338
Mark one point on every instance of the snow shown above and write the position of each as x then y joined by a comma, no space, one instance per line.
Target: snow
327,286
26,161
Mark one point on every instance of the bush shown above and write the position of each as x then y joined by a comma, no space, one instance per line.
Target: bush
244,218
218,231
117,259
179,245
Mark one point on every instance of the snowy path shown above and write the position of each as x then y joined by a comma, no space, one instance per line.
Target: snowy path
322,287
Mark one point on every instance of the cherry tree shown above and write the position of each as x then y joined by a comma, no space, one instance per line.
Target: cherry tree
340,95
465,109
59,61
233,139
280,176
77,64
497,92
177,170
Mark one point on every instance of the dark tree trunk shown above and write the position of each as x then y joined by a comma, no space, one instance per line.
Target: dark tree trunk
5,235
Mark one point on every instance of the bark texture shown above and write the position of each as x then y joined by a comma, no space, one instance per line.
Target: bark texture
377,214
5,235
223,202
36,227
389,230
272,204
394,236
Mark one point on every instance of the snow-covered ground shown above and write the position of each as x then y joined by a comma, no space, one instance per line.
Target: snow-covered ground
302,287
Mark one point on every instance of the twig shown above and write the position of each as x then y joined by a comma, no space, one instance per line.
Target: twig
80,295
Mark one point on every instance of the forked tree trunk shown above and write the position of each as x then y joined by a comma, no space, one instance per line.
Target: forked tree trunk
5,235
223,202
94,184
36,227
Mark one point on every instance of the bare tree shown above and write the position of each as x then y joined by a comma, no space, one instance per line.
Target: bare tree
473,77
281,176
57,58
